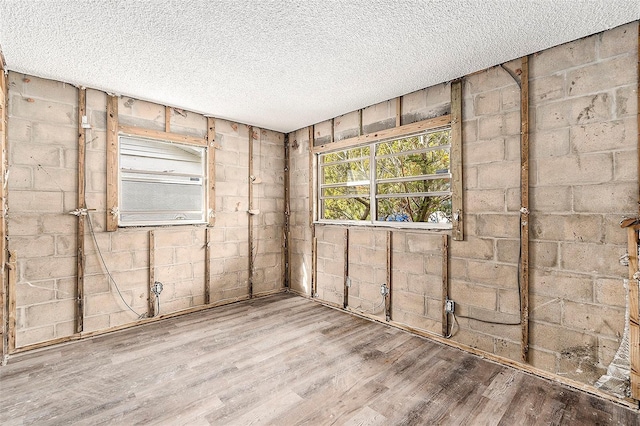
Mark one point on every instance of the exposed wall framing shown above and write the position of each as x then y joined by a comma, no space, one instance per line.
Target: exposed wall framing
112,163
207,266
287,214
167,119
432,123
387,297
12,276
457,208
445,284
250,212
524,208
151,306
211,176
4,309
345,303
313,288
399,111
82,206
634,315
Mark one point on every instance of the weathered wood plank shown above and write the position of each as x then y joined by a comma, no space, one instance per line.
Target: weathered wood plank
211,175
524,209
445,284
112,163
432,123
82,205
151,306
157,134
457,207
634,315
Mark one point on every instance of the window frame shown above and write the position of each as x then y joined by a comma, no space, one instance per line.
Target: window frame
203,185
373,181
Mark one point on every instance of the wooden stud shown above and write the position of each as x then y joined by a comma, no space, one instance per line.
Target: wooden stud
399,111
157,134
345,303
333,130
211,175
82,205
12,269
457,208
287,214
387,297
432,123
4,344
152,274
445,284
167,119
360,129
112,163
314,264
524,216
250,209
207,266
634,315
638,113
311,189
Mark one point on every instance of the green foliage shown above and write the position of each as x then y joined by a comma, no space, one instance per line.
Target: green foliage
412,180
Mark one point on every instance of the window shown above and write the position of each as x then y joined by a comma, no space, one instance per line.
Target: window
161,182
405,179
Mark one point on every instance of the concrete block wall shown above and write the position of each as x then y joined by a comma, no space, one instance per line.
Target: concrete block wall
583,180
367,270
43,167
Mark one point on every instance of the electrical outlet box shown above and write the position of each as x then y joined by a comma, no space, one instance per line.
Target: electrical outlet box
449,306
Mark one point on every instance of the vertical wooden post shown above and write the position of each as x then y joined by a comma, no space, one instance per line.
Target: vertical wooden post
152,273
638,111
524,211
4,314
250,211
345,303
287,214
167,119
457,208
399,111
445,284
313,289
333,130
211,175
112,163
634,316
360,130
82,206
387,297
207,266
11,302
314,265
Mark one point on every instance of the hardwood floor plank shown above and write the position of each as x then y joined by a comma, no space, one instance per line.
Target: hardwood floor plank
281,360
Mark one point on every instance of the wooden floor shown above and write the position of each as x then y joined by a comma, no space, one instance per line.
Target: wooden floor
280,360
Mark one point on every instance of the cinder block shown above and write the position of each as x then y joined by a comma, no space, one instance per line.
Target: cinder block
508,349
485,200
467,294
486,151
469,131
543,254
188,123
472,248
134,112
493,274
552,227
49,313
380,112
19,130
36,155
42,268
474,340
422,243
594,258
487,103
28,294
546,89
40,110
33,246
34,335
592,318
562,57
510,98
412,263
624,166
409,302
591,109
493,78
499,175
550,143
96,322
551,198
607,136
498,225
601,76
577,287
558,339
582,169
553,115
491,126
119,261
94,284
66,245
54,134
626,101
53,179
617,41
619,197
49,89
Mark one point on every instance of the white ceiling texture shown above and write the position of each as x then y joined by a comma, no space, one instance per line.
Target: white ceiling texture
284,64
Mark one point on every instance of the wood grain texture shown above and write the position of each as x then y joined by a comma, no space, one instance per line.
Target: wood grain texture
112,162
166,136
634,315
457,207
211,175
82,204
151,301
248,363
524,211
445,284
12,277
4,347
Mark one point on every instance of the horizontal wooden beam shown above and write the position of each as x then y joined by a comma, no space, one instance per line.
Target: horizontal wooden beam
432,123
157,134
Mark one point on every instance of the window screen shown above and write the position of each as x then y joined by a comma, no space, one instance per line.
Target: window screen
161,183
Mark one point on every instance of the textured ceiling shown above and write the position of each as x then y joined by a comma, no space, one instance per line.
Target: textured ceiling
284,64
